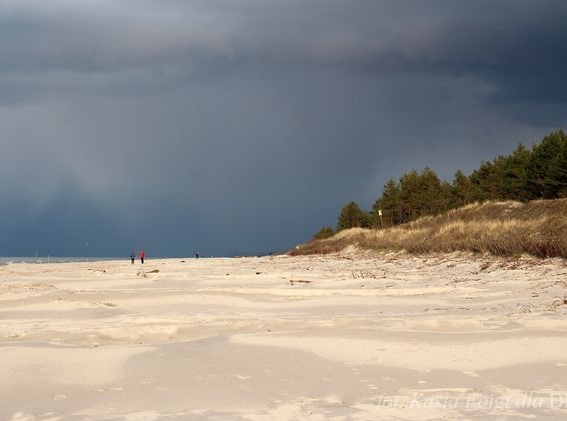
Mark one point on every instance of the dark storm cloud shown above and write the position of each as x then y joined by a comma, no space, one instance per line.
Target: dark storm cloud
514,47
509,44
245,125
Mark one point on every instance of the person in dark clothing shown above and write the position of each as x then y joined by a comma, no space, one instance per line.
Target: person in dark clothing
132,257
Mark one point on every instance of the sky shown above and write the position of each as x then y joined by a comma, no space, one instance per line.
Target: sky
243,126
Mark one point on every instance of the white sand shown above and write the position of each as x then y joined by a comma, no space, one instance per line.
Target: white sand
366,337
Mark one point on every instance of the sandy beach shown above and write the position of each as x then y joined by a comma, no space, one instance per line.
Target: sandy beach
354,336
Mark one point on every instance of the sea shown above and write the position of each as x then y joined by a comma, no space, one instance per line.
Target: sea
52,259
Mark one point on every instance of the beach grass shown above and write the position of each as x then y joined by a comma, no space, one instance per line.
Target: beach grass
537,228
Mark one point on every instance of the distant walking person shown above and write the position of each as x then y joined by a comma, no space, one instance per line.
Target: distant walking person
142,256
197,255
132,257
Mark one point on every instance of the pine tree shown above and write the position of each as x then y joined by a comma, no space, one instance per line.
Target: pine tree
546,171
389,204
422,194
352,216
464,190
514,177
409,192
488,179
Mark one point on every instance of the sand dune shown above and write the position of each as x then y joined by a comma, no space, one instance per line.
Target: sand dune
352,336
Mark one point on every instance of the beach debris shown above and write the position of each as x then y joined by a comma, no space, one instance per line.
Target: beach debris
559,301
484,266
298,281
368,274
145,274
522,308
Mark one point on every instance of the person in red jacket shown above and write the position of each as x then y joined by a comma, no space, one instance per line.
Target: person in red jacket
142,256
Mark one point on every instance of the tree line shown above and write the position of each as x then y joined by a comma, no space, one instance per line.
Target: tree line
539,172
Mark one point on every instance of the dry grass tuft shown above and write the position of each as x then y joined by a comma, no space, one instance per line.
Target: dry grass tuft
538,228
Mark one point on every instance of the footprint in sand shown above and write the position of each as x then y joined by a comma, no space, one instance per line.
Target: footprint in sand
59,397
